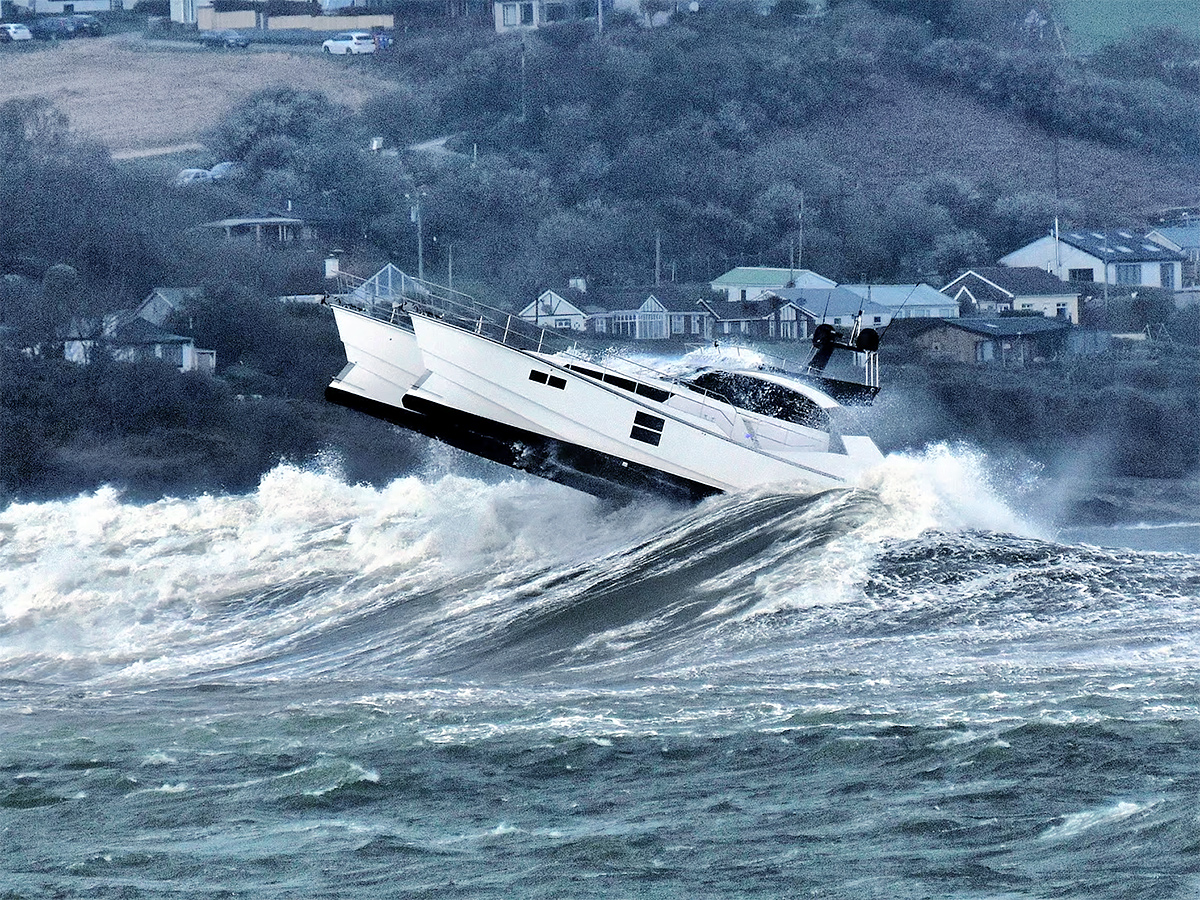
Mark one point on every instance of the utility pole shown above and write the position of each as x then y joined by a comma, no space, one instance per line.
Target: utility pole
657,256
414,216
800,250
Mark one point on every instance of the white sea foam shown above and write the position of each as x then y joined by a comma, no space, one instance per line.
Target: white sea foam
107,588
1077,823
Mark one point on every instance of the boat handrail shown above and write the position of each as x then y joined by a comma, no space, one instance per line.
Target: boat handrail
403,293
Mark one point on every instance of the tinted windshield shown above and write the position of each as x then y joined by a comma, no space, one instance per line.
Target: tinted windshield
764,397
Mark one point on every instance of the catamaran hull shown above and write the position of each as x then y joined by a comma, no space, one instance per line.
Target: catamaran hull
570,424
581,468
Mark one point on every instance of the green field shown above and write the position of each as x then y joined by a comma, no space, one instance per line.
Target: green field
1093,23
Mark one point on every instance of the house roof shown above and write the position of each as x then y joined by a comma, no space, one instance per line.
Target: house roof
766,277
821,303
1010,326
139,331
1118,245
1003,283
896,296
551,303
268,219
674,297
1180,235
745,310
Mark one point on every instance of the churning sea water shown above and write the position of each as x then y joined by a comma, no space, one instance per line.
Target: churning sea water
485,688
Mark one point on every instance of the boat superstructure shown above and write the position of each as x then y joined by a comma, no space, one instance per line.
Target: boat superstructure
546,402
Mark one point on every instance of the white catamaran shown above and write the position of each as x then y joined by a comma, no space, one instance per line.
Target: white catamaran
433,360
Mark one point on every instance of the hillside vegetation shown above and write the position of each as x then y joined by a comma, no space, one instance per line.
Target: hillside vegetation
868,145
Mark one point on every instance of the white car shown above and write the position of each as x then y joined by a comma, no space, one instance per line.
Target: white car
191,176
16,31
350,42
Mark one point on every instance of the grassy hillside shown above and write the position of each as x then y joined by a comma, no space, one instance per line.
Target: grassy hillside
1092,23
907,132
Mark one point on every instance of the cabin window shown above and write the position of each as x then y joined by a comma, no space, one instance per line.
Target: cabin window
625,384
647,428
555,381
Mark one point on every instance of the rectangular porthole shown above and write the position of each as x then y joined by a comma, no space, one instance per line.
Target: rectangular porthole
647,428
539,377
648,421
645,435
556,382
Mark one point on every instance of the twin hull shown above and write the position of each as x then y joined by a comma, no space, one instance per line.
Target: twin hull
533,412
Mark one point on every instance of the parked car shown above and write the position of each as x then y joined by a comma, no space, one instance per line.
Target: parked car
192,176
227,38
87,25
350,42
52,28
14,31
223,170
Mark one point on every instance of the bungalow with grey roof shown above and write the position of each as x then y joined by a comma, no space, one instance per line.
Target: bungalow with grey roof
665,311
836,306
750,282
126,336
770,317
908,301
1123,256
992,290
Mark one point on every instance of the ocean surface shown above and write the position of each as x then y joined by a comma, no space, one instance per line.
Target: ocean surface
477,686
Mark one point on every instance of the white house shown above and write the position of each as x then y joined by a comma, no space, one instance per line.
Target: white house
663,314
751,282
64,7
991,290
1183,239
552,310
1123,256
837,306
128,337
908,301
528,15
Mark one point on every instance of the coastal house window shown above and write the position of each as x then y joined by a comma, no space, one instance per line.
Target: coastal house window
526,13
1081,274
1129,273
1167,275
1061,310
562,323
511,14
